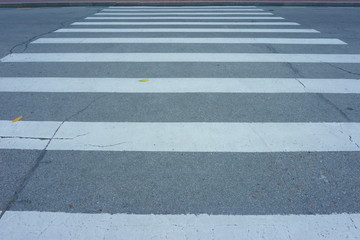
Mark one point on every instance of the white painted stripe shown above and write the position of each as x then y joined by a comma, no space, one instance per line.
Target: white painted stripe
180,85
13,134
185,10
183,7
183,17
181,57
186,136
195,40
195,30
82,226
200,7
186,23
151,14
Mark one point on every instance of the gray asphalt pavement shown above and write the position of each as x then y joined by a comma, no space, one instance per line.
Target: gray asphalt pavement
179,182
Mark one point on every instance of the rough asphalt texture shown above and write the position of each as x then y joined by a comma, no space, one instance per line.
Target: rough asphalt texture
179,183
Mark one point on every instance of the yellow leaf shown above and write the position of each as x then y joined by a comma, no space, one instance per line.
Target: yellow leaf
144,80
17,119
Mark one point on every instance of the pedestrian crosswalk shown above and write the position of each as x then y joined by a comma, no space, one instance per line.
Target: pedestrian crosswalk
160,164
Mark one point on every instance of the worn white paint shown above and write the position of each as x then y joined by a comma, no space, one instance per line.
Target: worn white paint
81,226
188,136
194,40
177,7
188,23
28,129
183,30
197,13
200,18
185,10
182,57
180,85
29,135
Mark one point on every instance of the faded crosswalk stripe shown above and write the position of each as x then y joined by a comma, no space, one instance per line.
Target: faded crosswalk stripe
181,85
182,17
200,11
185,7
182,57
195,30
182,137
95,226
194,40
128,23
197,14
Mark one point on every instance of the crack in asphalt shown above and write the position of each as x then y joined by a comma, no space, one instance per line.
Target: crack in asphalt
342,69
353,222
300,82
41,156
104,146
40,138
351,140
294,69
320,95
271,49
341,112
290,65
26,43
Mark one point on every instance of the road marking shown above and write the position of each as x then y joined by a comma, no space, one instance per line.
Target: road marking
14,134
183,17
51,225
185,10
194,40
150,14
196,8
185,23
181,57
196,30
180,85
183,136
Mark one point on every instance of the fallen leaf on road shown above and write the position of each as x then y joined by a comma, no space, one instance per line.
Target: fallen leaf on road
17,119
144,80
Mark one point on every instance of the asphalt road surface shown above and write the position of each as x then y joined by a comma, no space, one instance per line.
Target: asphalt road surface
180,122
